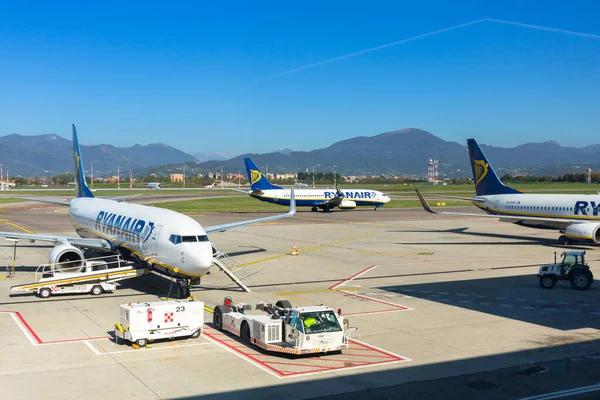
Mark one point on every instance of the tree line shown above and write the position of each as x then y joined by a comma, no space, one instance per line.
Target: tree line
573,177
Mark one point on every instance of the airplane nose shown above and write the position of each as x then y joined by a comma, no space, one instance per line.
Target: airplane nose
205,256
386,199
200,259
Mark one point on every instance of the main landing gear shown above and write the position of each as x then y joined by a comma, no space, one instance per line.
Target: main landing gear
563,240
314,209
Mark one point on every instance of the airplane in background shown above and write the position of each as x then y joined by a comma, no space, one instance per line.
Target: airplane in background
324,199
166,241
211,186
575,216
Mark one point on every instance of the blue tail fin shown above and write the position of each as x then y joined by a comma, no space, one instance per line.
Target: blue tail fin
82,188
256,178
486,180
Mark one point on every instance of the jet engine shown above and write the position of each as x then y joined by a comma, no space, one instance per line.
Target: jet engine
586,231
67,258
347,204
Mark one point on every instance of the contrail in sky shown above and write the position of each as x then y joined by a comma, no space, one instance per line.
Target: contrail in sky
383,46
544,28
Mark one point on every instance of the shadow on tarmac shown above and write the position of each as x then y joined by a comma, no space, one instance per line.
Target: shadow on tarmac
456,379
523,240
515,297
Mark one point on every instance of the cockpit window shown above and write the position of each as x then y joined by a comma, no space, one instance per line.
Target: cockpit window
176,239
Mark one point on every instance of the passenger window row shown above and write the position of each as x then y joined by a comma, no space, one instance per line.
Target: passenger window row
542,208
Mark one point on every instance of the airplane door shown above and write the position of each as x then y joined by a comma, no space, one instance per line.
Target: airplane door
150,246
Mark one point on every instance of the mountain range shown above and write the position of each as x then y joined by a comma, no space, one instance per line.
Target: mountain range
44,155
402,152
407,151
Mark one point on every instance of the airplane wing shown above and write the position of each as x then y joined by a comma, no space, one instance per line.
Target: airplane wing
514,218
224,227
121,198
50,201
473,199
97,244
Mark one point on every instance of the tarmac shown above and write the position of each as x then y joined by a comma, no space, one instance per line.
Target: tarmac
446,307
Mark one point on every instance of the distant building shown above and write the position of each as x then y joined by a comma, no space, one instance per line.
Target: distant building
176,177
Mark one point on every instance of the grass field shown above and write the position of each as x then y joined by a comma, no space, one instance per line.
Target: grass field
250,204
242,203
5,200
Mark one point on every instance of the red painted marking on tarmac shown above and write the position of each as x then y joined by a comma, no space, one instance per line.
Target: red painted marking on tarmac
26,325
245,354
352,277
301,365
382,356
377,350
39,340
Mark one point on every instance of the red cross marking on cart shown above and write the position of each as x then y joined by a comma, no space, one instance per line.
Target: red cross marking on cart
168,317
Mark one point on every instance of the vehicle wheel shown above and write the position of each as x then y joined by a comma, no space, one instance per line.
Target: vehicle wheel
283,304
563,240
141,342
581,279
44,293
547,281
218,316
245,332
314,209
96,290
196,334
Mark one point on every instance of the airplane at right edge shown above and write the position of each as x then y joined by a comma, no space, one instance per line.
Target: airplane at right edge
575,216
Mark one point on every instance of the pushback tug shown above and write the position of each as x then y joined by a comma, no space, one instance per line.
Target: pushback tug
285,329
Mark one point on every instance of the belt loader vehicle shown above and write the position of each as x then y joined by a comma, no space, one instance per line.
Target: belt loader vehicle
572,268
94,276
142,323
285,329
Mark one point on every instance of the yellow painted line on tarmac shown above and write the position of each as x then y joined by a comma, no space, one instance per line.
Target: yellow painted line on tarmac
263,260
313,291
19,227
350,222
314,248
196,215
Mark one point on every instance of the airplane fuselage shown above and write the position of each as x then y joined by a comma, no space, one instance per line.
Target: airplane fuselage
162,239
579,214
316,197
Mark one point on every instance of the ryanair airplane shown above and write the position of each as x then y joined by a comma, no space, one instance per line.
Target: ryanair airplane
166,241
324,199
575,216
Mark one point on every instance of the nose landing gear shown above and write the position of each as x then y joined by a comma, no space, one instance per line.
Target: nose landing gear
182,289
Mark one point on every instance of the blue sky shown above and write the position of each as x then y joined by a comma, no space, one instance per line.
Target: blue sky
210,78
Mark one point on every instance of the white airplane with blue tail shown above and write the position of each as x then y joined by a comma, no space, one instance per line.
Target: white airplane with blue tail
576,216
324,199
166,241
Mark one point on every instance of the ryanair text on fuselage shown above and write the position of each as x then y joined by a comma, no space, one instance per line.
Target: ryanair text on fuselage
112,224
